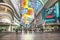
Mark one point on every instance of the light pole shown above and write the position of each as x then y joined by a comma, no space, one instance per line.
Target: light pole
43,26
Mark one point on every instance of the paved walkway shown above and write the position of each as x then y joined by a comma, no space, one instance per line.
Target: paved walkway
31,36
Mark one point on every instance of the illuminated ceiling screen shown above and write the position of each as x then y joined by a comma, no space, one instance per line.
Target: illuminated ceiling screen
43,1
36,5
30,7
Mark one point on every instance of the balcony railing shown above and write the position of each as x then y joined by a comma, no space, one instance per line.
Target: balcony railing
6,12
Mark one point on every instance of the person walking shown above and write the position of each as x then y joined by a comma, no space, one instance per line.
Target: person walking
16,31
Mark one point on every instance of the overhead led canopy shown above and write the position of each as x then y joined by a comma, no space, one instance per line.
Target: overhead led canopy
25,4
29,8
30,11
24,11
26,18
43,1
38,6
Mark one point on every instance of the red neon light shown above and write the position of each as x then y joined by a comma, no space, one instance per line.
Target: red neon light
50,16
